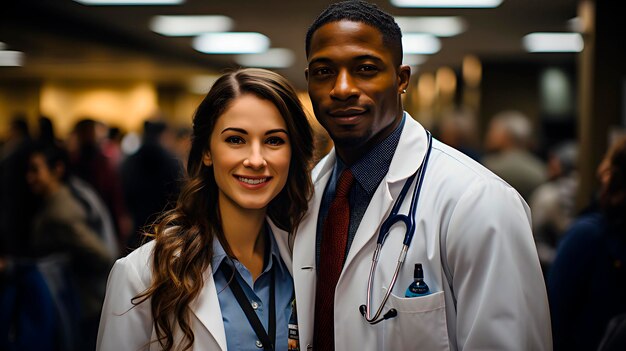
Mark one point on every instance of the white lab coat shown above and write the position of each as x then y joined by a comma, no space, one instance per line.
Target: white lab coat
124,327
496,299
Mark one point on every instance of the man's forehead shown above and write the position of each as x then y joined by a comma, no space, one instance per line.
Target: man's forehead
357,37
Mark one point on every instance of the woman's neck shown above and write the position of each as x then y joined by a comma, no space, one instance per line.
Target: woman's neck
243,229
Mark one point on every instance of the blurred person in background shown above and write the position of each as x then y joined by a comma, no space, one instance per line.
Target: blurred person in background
60,227
508,152
46,132
215,266
150,180
458,129
16,202
587,281
91,164
182,144
553,204
111,146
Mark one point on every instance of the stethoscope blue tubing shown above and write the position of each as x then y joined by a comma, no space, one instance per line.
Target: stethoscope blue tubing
393,218
408,219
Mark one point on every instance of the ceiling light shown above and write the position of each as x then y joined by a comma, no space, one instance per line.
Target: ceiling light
447,3
11,58
420,43
190,25
130,2
553,42
272,58
443,26
231,43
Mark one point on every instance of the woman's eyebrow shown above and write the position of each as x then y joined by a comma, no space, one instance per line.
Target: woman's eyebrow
238,130
243,131
279,130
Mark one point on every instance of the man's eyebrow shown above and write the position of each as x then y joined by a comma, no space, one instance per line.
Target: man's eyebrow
324,59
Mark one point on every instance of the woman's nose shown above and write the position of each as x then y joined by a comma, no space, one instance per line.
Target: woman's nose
255,159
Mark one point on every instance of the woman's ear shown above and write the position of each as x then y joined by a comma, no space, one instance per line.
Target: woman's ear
207,160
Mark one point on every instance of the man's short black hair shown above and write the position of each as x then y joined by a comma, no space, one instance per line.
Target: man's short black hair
364,12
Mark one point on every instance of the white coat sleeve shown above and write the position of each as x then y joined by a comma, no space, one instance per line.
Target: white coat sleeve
124,326
500,293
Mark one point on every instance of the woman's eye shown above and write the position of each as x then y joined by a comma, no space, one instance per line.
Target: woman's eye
235,140
275,141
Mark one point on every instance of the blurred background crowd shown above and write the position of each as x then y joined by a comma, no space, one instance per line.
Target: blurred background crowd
95,126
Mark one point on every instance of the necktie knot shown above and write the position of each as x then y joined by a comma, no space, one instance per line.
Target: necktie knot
344,183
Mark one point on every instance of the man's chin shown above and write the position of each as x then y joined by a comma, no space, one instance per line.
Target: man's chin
349,142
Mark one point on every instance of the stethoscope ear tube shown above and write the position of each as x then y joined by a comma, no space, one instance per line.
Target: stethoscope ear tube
365,309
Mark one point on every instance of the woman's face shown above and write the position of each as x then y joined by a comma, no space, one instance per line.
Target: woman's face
250,153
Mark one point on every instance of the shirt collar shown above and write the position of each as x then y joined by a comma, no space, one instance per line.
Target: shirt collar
371,169
219,254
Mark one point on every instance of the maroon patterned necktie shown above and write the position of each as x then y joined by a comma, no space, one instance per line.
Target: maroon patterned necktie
332,255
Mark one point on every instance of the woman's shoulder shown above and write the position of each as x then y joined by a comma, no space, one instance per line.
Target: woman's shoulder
137,262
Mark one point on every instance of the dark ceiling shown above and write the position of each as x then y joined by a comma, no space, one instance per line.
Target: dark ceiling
63,39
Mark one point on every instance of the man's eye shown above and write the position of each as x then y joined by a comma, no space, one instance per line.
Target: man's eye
235,140
367,68
275,141
322,71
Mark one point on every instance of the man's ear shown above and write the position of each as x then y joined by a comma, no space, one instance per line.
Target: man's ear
404,73
207,160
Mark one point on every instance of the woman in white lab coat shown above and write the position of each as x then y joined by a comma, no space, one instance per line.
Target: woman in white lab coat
248,175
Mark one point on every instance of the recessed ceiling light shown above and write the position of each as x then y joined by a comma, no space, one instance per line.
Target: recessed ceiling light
130,2
553,42
11,58
272,58
231,43
447,3
420,43
190,25
441,26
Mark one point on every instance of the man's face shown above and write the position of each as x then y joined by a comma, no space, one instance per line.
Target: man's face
354,84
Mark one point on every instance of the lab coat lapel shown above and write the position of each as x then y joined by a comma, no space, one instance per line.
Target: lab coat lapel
207,309
406,160
282,240
304,271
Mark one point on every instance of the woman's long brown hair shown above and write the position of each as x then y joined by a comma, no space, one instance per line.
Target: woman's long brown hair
184,235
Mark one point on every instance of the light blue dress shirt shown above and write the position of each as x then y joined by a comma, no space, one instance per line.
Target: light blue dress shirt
239,332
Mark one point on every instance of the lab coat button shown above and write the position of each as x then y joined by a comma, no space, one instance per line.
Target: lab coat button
259,344
255,305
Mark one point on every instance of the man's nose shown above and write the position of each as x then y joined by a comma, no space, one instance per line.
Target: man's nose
344,87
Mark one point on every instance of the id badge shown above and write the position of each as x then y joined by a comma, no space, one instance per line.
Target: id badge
293,341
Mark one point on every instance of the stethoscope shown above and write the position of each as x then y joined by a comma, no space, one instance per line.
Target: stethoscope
393,218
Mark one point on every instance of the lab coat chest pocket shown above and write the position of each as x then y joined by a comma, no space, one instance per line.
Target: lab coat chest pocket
420,324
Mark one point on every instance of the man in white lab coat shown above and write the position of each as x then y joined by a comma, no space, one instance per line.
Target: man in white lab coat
473,236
